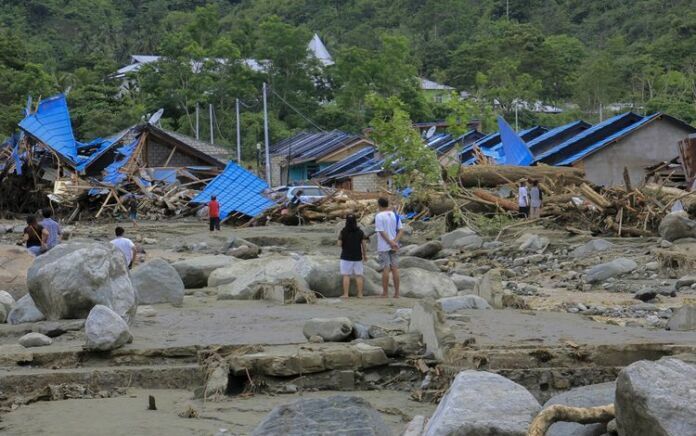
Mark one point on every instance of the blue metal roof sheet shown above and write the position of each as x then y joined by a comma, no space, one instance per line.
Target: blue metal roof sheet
606,141
514,148
238,191
51,125
596,130
347,164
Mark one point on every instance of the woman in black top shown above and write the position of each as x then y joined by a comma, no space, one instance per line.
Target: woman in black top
353,254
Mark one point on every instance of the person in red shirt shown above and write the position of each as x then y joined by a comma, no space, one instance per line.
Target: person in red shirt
214,213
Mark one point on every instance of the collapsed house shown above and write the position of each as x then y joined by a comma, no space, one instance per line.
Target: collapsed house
45,165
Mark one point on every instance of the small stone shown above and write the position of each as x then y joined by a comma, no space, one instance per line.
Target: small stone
665,244
330,329
146,311
316,339
645,295
34,340
652,266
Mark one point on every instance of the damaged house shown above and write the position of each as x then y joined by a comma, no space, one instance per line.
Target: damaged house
164,170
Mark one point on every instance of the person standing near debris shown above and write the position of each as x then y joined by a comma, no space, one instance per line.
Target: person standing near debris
214,213
125,245
523,199
535,198
132,205
389,231
52,227
353,254
35,236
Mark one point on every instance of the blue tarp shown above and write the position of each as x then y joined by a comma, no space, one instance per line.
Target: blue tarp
51,125
238,191
516,151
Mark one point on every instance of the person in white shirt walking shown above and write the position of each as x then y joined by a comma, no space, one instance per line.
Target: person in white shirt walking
389,230
523,199
126,246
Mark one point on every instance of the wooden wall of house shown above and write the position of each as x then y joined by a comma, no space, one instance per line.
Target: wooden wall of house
157,154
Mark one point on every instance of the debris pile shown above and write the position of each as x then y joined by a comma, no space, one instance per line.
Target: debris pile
332,207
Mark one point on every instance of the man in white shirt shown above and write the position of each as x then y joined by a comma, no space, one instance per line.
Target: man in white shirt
389,230
126,246
523,199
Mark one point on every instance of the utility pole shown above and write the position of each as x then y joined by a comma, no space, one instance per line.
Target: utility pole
197,117
507,9
265,133
239,135
517,127
210,110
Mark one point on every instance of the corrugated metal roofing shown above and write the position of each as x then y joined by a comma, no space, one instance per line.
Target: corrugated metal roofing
606,141
353,161
211,150
491,146
598,134
51,125
311,146
556,135
237,191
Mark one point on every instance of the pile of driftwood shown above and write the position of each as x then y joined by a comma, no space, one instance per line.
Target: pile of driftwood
333,207
568,200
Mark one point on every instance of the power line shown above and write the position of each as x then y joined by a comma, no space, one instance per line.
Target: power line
297,111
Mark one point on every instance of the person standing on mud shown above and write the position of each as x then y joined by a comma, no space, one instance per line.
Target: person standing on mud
353,254
35,236
535,200
214,213
52,227
389,231
523,199
132,205
126,246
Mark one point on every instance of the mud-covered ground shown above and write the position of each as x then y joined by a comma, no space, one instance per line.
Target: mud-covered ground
561,309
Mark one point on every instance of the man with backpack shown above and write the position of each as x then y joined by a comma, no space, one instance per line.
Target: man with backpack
389,231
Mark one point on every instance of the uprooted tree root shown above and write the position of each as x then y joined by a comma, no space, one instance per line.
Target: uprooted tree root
559,412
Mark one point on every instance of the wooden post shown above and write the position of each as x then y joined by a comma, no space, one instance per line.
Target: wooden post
108,197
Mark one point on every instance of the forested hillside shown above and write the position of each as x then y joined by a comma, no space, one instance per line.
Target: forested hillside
577,54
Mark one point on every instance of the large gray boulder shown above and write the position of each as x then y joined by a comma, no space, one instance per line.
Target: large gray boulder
156,282
656,398
324,416
677,226
461,239
324,276
330,329
229,274
591,247
105,330
266,283
418,262
462,302
7,302
419,283
194,272
482,403
603,271
585,396
683,319
427,250
25,311
241,248
34,339
532,243
70,279
464,283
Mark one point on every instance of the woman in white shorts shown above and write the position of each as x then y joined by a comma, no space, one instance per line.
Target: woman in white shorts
353,254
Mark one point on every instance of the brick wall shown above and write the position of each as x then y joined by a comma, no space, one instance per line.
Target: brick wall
369,182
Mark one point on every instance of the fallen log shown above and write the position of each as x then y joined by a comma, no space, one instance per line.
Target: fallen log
559,412
496,175
494,199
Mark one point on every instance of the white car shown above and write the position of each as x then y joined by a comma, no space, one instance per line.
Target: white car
310,194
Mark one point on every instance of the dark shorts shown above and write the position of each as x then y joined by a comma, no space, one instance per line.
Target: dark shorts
524,211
